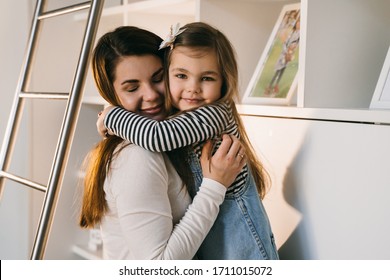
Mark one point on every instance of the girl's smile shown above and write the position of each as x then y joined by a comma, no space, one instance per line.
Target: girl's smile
194,78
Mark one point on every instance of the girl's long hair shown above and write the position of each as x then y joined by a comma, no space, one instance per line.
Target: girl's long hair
202,36
111,47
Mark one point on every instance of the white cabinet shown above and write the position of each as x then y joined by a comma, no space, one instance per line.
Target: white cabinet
331,186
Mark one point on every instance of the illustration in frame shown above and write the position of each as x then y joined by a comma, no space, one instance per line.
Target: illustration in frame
275,78
381,97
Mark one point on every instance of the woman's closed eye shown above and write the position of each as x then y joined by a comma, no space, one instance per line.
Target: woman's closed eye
132,88
130,85
157,78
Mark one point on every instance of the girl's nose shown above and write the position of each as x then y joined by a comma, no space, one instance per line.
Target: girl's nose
193,87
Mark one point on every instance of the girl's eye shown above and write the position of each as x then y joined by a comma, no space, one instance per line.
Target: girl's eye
181,76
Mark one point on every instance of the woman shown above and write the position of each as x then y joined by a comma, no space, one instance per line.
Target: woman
139,200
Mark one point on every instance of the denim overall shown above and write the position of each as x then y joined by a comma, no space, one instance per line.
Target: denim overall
242,230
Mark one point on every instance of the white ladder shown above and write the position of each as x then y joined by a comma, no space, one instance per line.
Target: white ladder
72,110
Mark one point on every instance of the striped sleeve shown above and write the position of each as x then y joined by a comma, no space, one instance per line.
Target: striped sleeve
179,131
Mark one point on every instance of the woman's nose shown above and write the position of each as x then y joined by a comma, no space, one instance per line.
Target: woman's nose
151,94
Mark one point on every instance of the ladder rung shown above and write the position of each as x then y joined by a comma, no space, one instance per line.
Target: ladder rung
45,95
23,181
65,10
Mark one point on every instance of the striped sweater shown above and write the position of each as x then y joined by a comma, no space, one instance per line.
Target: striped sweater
187,128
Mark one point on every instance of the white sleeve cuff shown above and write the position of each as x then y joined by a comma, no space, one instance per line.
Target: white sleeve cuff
214,185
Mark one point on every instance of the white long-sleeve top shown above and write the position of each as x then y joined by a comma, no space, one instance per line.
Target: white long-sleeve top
150,214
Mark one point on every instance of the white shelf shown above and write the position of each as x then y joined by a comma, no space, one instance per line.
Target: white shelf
330,114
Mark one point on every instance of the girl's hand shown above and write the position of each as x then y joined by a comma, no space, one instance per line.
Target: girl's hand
102,130
226,163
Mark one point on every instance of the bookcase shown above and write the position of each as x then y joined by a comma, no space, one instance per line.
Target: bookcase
342,49
328,154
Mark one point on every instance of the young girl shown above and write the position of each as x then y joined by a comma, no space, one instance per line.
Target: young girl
202,69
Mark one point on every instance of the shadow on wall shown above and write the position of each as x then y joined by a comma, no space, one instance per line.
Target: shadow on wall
299,245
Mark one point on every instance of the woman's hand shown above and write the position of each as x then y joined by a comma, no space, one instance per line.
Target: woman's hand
226,163
102,130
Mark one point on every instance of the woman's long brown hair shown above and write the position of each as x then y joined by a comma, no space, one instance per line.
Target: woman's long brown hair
111,47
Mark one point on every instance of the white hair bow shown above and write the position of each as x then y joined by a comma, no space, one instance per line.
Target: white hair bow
171,37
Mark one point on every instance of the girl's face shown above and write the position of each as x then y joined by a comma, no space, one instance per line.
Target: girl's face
194,78
139,85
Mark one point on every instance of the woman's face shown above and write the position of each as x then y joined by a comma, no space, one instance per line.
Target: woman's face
139,85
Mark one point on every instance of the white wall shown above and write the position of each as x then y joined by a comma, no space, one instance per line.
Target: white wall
14,205
53,70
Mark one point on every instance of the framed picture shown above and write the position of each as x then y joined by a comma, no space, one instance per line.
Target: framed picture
276,76
381,97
